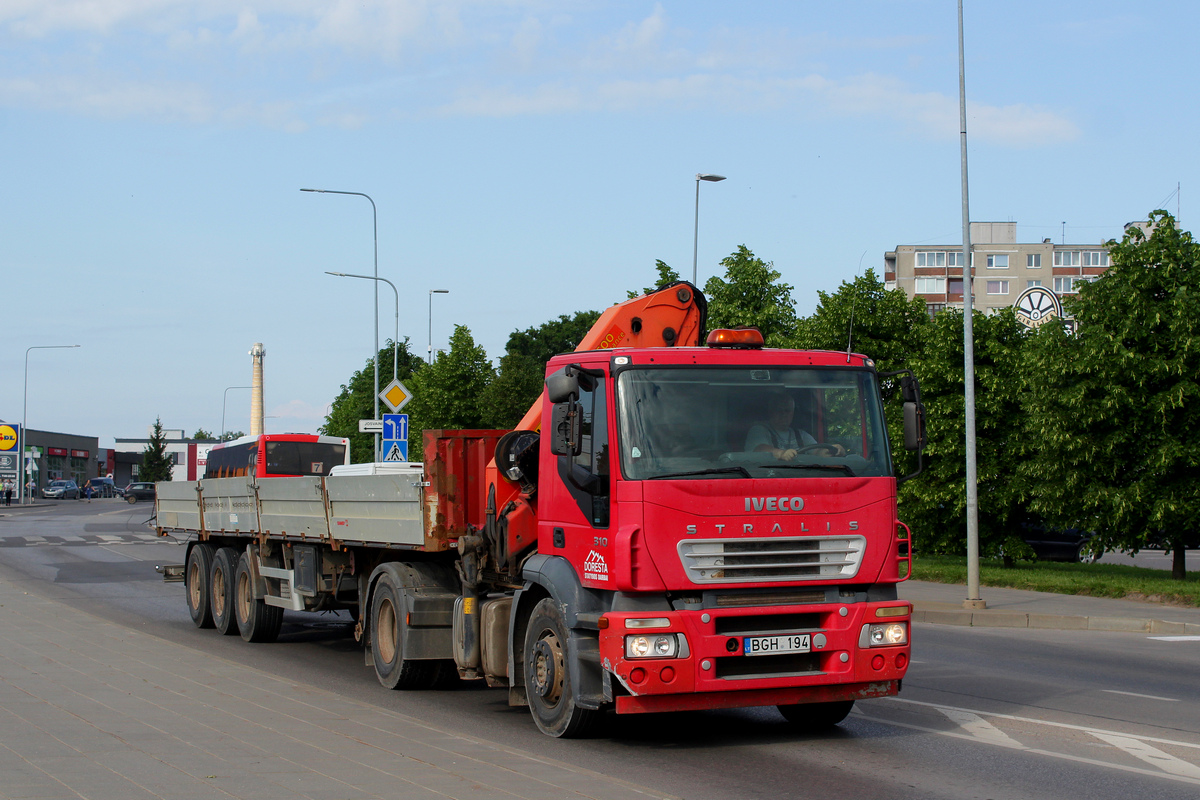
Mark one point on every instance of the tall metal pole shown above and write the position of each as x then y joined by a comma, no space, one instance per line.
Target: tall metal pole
700,176
396,339
432,292
973,600
25,418
375,228
225,399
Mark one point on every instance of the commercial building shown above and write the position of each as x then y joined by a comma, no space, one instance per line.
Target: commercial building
1003,268
50,456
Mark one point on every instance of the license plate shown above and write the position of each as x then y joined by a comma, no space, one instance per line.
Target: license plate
770,645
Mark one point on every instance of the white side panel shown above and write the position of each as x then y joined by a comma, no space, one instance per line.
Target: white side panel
177,505
229,505
376,509
292,507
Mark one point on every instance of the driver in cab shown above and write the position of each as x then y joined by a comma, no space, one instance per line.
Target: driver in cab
778,437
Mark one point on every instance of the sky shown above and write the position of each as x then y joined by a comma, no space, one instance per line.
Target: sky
533,157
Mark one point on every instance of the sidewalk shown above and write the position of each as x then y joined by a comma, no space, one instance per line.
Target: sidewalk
942,603
89,709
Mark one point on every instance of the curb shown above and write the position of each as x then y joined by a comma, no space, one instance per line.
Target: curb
1010,619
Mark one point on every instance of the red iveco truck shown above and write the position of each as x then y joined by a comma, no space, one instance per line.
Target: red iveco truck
681,522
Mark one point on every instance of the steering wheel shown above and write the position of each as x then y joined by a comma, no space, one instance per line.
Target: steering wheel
837,449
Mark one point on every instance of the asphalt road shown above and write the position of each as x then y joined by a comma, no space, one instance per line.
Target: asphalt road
985,713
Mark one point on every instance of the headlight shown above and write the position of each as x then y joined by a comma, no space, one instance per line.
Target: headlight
664,645
891,633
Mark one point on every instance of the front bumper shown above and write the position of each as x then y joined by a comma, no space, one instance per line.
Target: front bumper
713,671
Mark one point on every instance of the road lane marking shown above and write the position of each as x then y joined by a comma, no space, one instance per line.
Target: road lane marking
1065,725
981,729
1175,638
1151,755
1153,773
1146,696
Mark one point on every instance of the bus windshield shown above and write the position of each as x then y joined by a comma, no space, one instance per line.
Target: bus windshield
750,422
303,458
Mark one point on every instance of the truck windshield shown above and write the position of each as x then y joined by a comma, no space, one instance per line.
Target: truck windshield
699,423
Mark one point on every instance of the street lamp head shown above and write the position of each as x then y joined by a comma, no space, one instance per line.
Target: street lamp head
439,291
322,191
702,176
337,274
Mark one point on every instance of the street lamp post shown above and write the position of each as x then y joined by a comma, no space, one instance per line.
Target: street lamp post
25,418
700,176
432,292
375,225
223,400
396,339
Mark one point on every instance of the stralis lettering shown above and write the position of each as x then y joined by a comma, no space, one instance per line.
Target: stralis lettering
774,503
595,567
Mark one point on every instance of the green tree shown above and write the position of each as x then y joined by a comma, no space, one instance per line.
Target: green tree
449,393
203,434
869,318
156,466
666,276
935,503
1114,409
356,400
751,294
229,436
523,366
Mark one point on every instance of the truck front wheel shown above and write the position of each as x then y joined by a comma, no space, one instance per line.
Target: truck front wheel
387,641
816,717
547,678
196,582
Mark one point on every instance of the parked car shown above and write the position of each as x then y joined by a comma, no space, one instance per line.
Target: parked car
139,491
61,490
1059,544
103,487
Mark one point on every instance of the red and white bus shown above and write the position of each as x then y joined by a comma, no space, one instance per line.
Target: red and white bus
277,455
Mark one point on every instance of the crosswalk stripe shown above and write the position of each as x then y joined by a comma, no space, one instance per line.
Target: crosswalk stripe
979,728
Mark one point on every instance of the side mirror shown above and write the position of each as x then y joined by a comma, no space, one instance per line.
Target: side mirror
914,426
562,386
566,438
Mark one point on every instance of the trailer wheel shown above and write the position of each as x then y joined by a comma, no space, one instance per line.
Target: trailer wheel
547,679
256,621
196,583
387,641
816,717
220,590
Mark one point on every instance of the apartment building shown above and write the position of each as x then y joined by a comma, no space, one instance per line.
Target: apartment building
1004,268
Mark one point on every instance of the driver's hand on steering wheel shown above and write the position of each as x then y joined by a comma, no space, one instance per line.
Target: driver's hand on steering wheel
786,455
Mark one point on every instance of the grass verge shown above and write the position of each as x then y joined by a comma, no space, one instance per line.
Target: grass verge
1095,580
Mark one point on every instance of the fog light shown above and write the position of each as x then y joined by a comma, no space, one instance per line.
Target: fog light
664,645
901,661
637,676
877,662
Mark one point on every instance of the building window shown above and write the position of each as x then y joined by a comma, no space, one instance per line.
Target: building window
1033,261
1066,285
934,309
997,287
939,258
997,262
1066,258
1095,258
931,285
956,286
1031,284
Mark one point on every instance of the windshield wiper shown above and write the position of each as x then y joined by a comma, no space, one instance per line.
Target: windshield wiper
714,471
841,467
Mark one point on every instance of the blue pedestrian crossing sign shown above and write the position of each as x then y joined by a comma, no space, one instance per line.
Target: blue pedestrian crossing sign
395,437
395,450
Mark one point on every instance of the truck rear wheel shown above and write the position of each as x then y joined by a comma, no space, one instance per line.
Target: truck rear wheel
196,583
387,641
547,678
256,621
220,590
816,717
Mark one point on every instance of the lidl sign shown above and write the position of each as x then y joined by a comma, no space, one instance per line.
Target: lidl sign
8,437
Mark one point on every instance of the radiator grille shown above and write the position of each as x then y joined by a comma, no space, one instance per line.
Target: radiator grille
809,558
